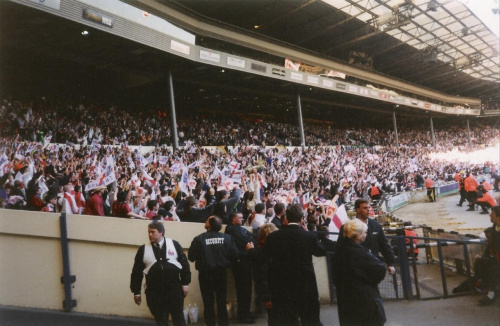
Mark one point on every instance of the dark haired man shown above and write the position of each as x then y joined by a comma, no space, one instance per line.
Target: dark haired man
242,268
229,199
375,240
279,211
167,276
292,281
212,253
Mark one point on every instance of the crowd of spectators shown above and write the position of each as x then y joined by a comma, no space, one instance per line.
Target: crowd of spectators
51,154
80,125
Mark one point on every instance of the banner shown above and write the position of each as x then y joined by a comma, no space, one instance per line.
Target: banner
313,70
4,164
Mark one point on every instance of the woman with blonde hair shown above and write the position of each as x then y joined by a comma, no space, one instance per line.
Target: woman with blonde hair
356,274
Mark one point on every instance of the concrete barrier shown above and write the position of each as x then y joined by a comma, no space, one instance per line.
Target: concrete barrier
101,252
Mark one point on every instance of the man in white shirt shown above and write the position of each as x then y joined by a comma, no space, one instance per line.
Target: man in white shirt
260,217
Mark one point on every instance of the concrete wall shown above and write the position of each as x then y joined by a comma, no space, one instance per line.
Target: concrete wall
101,250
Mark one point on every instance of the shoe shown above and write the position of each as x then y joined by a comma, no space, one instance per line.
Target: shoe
459,205
471,209
248,321
486,301
484,212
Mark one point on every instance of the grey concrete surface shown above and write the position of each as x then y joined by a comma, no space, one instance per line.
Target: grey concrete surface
455,311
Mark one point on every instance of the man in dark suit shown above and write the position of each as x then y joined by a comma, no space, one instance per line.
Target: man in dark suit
242,268
375,240
292,281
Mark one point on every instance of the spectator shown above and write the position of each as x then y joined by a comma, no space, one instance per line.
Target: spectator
487,267
356,274
375,239
243,267
292,281
212,253
95,205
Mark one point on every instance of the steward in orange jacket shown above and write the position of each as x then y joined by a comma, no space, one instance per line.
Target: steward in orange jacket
431,190
486,201
470,185
374,192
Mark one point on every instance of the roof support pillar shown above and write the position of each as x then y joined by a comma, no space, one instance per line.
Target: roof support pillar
175,138
432,133
395,127
468,131
301,124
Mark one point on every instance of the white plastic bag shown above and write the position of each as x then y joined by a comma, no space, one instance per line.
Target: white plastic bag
193,313
186,314
229,308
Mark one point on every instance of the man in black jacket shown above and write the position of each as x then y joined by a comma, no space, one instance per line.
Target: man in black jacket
292,281
375,241
167,276
229,199
488,266
212,253
242,268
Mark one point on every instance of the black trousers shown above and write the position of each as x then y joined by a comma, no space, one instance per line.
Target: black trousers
294,308
471,198
463,196
484,205
242,271
213,283
162,305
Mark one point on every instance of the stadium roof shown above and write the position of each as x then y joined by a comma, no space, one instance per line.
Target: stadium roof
41,52
438,44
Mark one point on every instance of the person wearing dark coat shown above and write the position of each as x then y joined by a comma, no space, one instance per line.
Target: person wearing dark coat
243,267
168,275
292,281
188,212
229,199
213,253
356,274
261,269
375,241
487,267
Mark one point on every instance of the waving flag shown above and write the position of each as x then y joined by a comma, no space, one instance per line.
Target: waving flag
194,164
149,159
162,160
147,177
4,164
47,140
183,184
176,168
304,200
31,148
293,176
95,145
339,218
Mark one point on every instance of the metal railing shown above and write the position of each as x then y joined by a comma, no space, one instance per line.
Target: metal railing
438,269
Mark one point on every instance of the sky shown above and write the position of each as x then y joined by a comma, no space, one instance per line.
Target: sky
483,10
